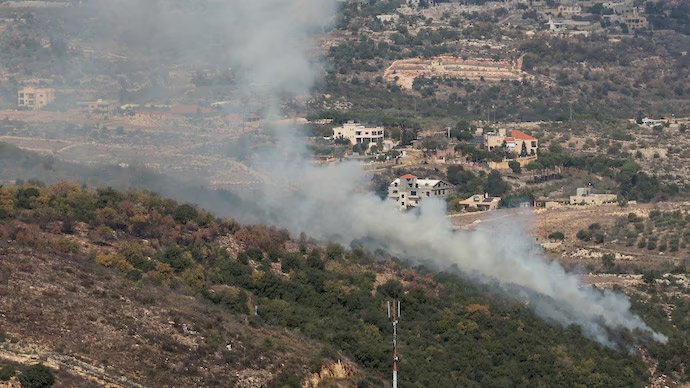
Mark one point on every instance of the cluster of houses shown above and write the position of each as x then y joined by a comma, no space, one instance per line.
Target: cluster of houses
570,18
408,191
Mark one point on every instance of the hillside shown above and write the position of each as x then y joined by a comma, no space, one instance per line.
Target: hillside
132,288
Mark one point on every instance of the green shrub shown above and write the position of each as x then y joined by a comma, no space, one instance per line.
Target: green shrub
607,260
584,235
37,376
185,213
556,236
6,372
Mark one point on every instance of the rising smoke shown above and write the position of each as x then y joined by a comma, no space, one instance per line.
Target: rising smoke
269,41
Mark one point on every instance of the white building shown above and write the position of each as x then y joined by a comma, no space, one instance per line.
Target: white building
408,190
358,133
584,196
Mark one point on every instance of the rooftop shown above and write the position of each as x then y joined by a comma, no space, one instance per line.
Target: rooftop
521,135
408,176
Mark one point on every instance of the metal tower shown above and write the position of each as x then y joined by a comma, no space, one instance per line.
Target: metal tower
394,314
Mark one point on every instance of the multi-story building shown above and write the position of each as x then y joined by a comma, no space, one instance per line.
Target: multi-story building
357,133
568,11
408,190
635,22
35,98
620,8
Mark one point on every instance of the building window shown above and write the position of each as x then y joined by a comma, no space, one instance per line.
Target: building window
358,133
427,193
396,184
413,193
402,195
402,203
534,144
21,102
21,95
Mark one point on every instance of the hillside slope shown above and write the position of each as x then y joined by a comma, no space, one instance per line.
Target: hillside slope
140,290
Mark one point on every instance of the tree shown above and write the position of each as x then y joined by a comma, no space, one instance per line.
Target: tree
556,236
25,197
185,213
607,260
523,151
515,166
6,372
391,289
462,126
495,185
37,376
407,137
584,235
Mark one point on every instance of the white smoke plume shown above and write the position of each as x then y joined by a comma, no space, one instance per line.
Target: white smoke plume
270,41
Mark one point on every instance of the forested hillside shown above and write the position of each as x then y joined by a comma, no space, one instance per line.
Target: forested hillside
131,261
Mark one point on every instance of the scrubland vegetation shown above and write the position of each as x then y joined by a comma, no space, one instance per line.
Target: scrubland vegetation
330,293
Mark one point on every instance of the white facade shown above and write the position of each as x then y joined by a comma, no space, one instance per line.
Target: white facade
358,133
408,190
584,196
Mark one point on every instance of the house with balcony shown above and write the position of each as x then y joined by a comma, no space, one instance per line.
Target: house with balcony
358,133
408,191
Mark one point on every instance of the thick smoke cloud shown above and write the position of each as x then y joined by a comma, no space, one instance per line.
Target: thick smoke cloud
269,41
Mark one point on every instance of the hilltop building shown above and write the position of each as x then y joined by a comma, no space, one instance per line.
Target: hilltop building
408,190
35,98
357,133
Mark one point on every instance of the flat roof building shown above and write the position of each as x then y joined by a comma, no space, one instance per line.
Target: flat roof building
35,98
358,133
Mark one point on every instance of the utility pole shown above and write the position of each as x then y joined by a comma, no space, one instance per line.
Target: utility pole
394,314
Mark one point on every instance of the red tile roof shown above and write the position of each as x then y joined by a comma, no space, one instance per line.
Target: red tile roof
510,139
408,176
521,135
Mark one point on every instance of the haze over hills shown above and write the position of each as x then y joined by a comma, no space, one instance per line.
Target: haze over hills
514,173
